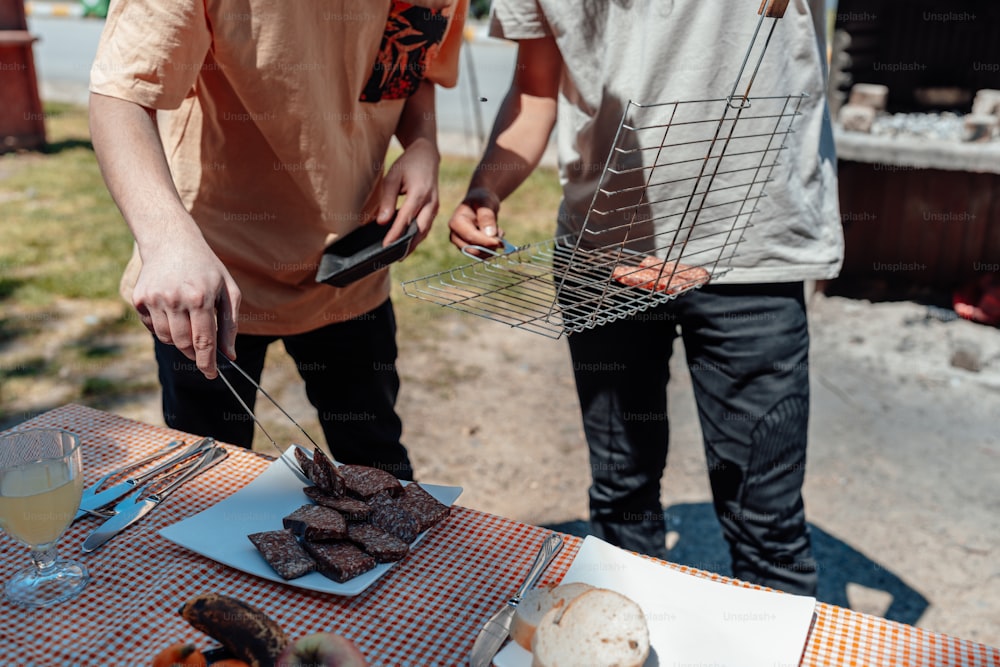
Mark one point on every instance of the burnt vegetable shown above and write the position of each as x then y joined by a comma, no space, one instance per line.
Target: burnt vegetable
246,632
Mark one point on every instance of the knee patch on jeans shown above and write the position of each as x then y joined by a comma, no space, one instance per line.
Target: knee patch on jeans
767,531
778,454
774,539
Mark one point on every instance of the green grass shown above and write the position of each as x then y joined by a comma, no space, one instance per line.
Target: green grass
63,239
63,236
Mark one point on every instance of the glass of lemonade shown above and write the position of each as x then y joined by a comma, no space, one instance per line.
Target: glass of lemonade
41,482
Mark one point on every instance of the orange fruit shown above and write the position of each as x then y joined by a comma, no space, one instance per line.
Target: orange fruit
181,654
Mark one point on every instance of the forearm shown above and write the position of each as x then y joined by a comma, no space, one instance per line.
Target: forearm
414,175
135,170
183,293
518,140
418,120
523,124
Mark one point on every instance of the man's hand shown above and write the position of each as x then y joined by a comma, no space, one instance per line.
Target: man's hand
184,294
474,222
415,175
520,133
187,298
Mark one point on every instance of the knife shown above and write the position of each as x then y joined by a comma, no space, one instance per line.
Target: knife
133,507
93,501
131,465
497,629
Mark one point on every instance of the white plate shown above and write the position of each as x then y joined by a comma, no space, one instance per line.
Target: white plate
220,532
692,620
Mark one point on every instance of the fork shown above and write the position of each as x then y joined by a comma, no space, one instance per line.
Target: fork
95,487
125,486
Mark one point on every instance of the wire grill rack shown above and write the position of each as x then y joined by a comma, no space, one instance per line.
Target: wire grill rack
677,193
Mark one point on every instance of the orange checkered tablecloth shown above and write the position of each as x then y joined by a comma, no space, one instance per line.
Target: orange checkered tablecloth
426,611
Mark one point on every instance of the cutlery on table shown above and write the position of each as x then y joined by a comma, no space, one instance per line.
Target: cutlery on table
137,504
132,465
94,500
91,490
497,629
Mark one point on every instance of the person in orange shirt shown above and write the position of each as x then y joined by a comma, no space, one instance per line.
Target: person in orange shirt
239,139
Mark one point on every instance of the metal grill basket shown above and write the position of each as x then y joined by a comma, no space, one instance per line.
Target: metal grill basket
679,188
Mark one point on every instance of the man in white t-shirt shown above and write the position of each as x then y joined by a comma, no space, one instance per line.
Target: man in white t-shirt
745,335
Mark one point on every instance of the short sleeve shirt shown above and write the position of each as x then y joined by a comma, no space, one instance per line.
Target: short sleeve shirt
269,143
656,51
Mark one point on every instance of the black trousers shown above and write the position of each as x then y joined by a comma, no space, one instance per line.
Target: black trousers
747,350
349,369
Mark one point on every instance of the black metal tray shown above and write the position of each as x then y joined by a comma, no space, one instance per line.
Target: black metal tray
360,253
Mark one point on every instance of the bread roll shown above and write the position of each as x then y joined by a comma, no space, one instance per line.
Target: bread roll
599,627
535,603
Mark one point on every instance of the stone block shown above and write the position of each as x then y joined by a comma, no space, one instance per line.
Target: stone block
872,95
986,102
857,118
979,127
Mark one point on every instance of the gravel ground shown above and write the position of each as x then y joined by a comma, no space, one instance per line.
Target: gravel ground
903,474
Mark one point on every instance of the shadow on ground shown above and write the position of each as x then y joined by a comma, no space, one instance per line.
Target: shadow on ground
878,291
700,544
79,365
54,147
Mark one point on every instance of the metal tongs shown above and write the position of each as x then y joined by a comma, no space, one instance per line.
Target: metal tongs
508,248
287,460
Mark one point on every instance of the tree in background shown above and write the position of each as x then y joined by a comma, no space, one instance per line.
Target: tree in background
479,8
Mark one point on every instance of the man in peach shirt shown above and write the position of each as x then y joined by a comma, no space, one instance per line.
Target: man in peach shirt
239,139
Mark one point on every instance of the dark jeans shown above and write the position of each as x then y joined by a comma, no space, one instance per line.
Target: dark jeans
349,369
747,350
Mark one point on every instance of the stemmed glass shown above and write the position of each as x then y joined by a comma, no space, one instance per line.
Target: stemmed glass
41,483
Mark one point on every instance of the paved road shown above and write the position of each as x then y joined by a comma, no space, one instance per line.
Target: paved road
466,112
63,55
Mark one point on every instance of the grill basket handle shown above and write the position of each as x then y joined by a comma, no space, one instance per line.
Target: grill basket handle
773,8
